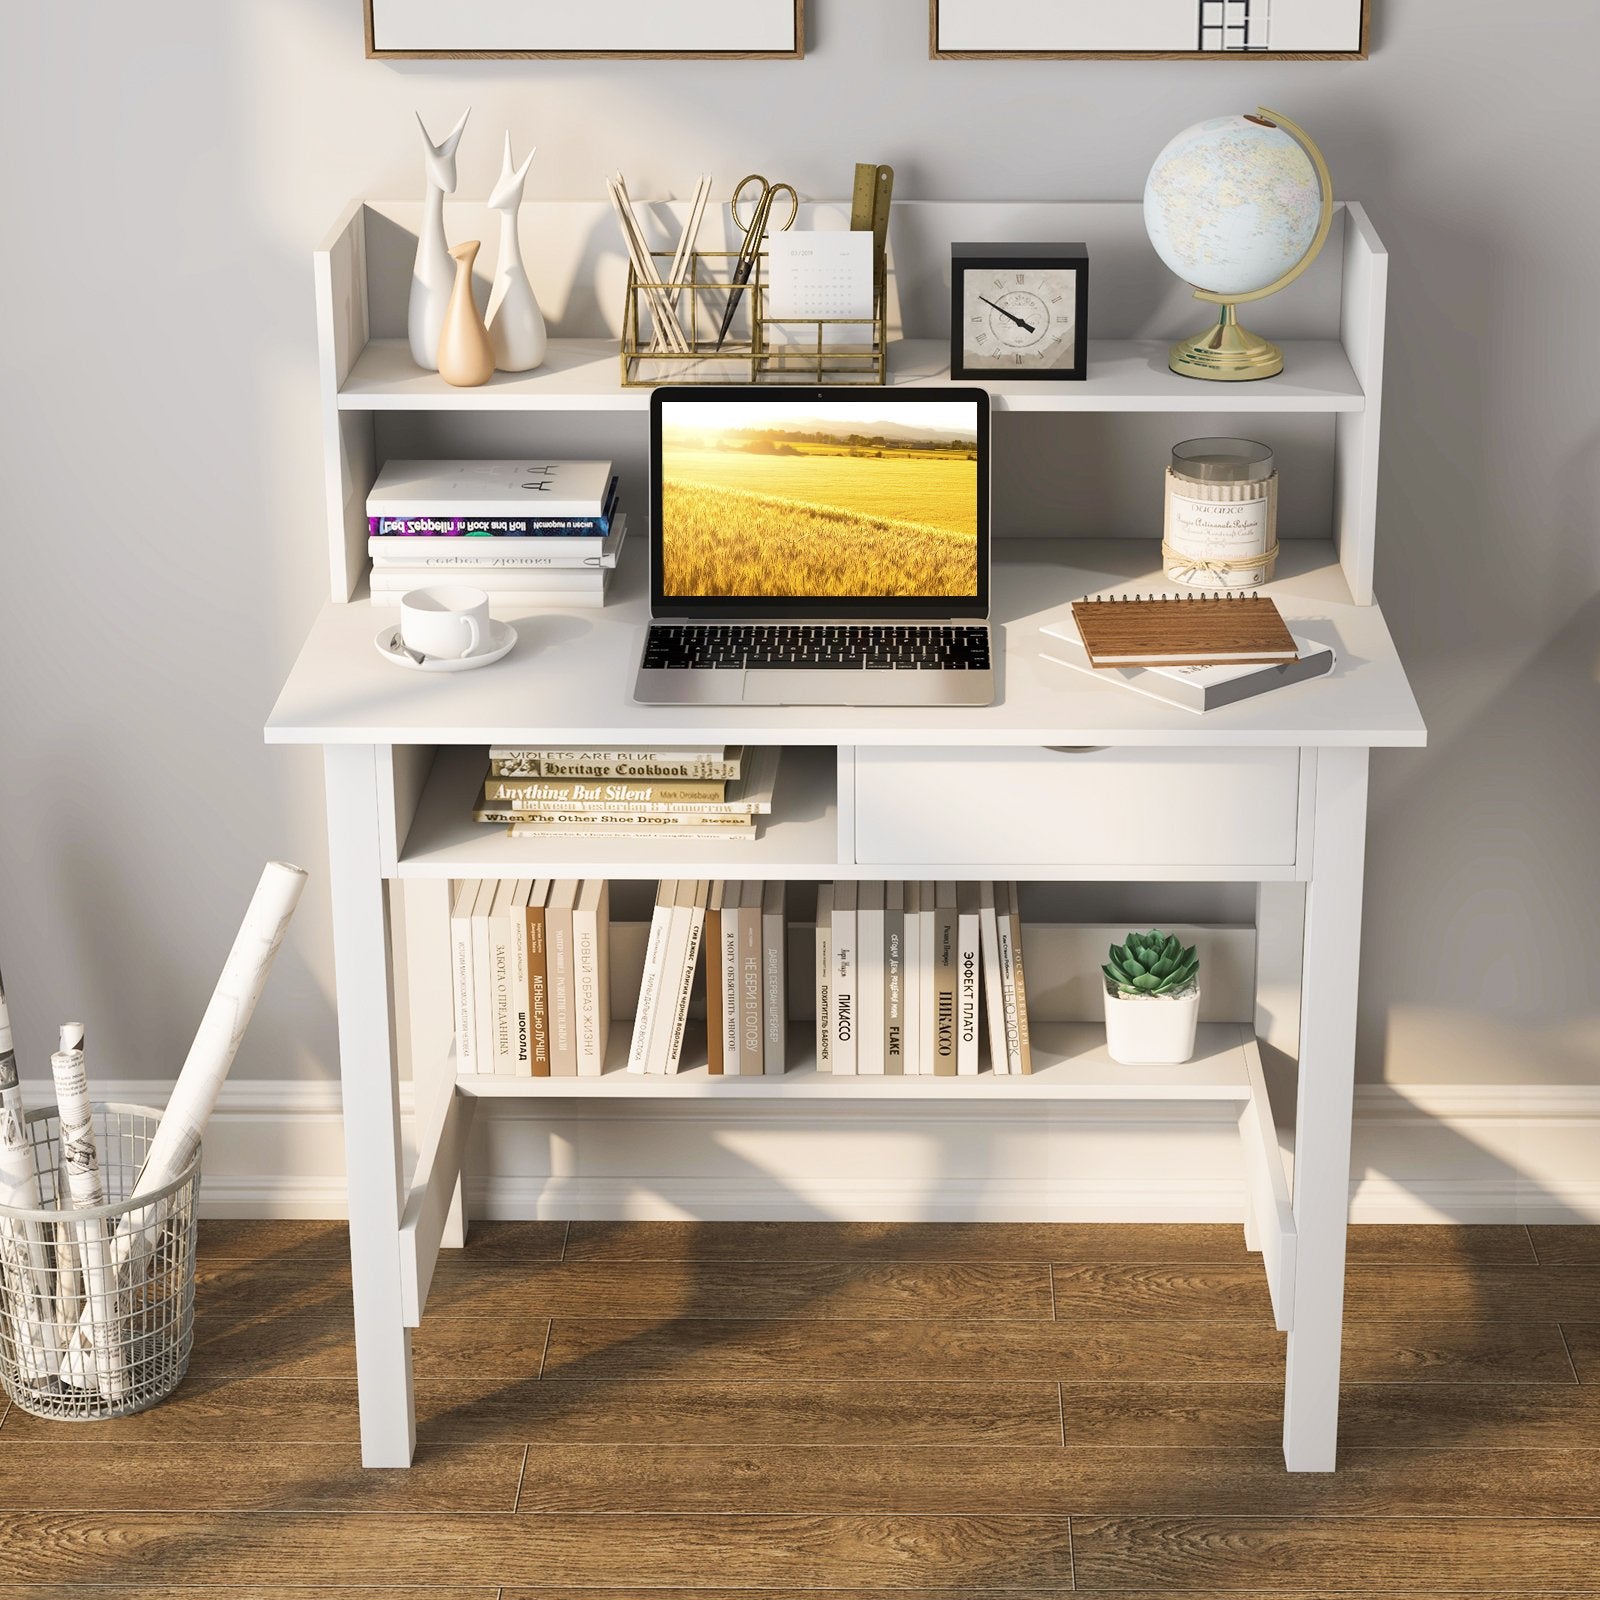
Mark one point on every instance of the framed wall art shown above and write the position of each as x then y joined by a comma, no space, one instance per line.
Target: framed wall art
1146,30
735,30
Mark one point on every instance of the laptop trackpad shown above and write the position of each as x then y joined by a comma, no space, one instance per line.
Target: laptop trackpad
785,687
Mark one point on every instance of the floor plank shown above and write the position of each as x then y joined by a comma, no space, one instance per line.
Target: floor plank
902,1241
62,1475
1394,1416
163,1591
1397,1555
988,1480
638,1552
1070,1352
1583,1344
1570,1245
802,1289
1435,1244
1483,1292
238,1239
483,1410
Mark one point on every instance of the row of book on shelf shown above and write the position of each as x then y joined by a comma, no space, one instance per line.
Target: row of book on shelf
525,532
673,792
530,976
908,977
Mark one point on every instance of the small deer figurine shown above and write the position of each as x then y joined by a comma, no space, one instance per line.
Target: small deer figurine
434,271
516,325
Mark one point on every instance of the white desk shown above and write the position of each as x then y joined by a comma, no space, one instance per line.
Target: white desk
404,756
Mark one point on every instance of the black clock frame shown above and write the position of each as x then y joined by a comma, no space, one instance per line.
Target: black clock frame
1074,258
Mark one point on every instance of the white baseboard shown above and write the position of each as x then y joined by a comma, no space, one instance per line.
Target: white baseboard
1424,1153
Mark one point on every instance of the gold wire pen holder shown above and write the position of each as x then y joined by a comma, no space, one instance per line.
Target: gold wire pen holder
759,348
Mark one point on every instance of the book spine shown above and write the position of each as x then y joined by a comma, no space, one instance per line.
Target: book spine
711,939
869,979
534,764
774,968
691,957
947,961
992,976
824,978
1024,1061
911,1004
967,984
625,796
483,992
894,987
532,828
538,994
461,984
521,1029
533,599
487,527
589,1030
563,1019
500,982
844,978
661,1028
1008,981
752,1054
648,815
650,981
728,983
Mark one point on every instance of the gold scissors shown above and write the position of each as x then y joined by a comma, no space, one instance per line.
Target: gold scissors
754,232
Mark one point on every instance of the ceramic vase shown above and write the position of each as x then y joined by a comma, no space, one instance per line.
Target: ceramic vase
516,327
465,357
1153,1031
433,273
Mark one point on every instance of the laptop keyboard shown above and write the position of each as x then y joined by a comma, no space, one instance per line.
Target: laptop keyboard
899,647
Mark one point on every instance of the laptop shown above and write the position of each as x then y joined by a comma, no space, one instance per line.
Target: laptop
818,546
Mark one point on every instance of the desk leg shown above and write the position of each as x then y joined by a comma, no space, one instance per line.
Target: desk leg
1323,1109
364,979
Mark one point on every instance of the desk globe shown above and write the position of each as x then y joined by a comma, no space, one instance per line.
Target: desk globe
1238,206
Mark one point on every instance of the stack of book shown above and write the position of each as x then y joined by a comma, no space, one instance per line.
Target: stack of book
530,976
740,926
669,792
544,534
908,974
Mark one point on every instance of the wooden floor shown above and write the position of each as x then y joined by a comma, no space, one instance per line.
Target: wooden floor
709,1410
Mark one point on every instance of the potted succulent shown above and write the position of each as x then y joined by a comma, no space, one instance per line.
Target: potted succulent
1152,1000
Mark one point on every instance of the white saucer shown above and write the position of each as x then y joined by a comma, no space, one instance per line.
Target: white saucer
501,638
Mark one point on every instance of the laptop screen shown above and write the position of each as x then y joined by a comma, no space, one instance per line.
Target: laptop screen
820,503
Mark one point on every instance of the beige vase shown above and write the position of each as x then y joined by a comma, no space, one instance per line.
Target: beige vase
466,358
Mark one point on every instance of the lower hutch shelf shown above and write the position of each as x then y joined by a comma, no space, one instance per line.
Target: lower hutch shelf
1070,1063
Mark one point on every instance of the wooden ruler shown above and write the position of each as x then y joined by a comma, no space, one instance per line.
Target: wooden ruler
869,212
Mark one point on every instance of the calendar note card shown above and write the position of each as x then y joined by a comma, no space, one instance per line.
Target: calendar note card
819,274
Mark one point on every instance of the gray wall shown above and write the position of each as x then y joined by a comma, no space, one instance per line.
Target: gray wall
168,168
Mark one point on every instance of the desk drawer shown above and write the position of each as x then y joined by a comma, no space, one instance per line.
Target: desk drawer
1098,807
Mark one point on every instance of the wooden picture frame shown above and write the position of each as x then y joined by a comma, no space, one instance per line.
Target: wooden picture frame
1222,28
760,30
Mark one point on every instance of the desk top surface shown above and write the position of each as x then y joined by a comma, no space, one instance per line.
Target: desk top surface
569,680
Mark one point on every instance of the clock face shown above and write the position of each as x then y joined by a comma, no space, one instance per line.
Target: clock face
1020,318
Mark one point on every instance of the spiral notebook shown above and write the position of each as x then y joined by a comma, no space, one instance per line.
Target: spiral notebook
1173,630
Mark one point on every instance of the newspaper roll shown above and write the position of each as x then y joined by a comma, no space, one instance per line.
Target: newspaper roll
24,1246
101,1328
244,975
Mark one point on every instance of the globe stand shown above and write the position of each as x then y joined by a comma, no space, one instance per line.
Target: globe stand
1226,353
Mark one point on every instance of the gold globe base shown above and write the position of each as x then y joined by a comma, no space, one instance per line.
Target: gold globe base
1226,353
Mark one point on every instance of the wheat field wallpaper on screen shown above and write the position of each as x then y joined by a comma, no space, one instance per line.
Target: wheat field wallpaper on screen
819,498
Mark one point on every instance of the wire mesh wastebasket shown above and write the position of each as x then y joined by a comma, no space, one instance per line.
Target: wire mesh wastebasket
97,1306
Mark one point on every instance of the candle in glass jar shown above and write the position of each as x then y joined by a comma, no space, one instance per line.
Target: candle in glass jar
1221,529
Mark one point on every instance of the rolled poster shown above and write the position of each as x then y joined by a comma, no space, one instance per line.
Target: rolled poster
101,1328
24,1246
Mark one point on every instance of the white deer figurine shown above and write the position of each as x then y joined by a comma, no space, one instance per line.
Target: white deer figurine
434,272
516,326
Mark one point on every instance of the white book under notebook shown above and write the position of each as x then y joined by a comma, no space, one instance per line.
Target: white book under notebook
1197,689
529,486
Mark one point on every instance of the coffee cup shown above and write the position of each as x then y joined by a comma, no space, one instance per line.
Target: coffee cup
445,623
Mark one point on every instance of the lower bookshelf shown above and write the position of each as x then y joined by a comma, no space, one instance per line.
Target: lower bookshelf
1070,1063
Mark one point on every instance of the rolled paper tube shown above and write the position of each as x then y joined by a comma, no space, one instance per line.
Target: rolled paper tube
104,1322
24,1246
205,1069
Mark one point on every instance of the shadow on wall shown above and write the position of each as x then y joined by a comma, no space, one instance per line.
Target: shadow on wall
1491,952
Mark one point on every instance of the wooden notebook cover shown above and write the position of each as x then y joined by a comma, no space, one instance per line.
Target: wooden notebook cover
1182,630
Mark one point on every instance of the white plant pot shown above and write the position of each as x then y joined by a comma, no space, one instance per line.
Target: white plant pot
1157,1032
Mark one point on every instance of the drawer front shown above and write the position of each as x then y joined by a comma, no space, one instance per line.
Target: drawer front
1099,808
